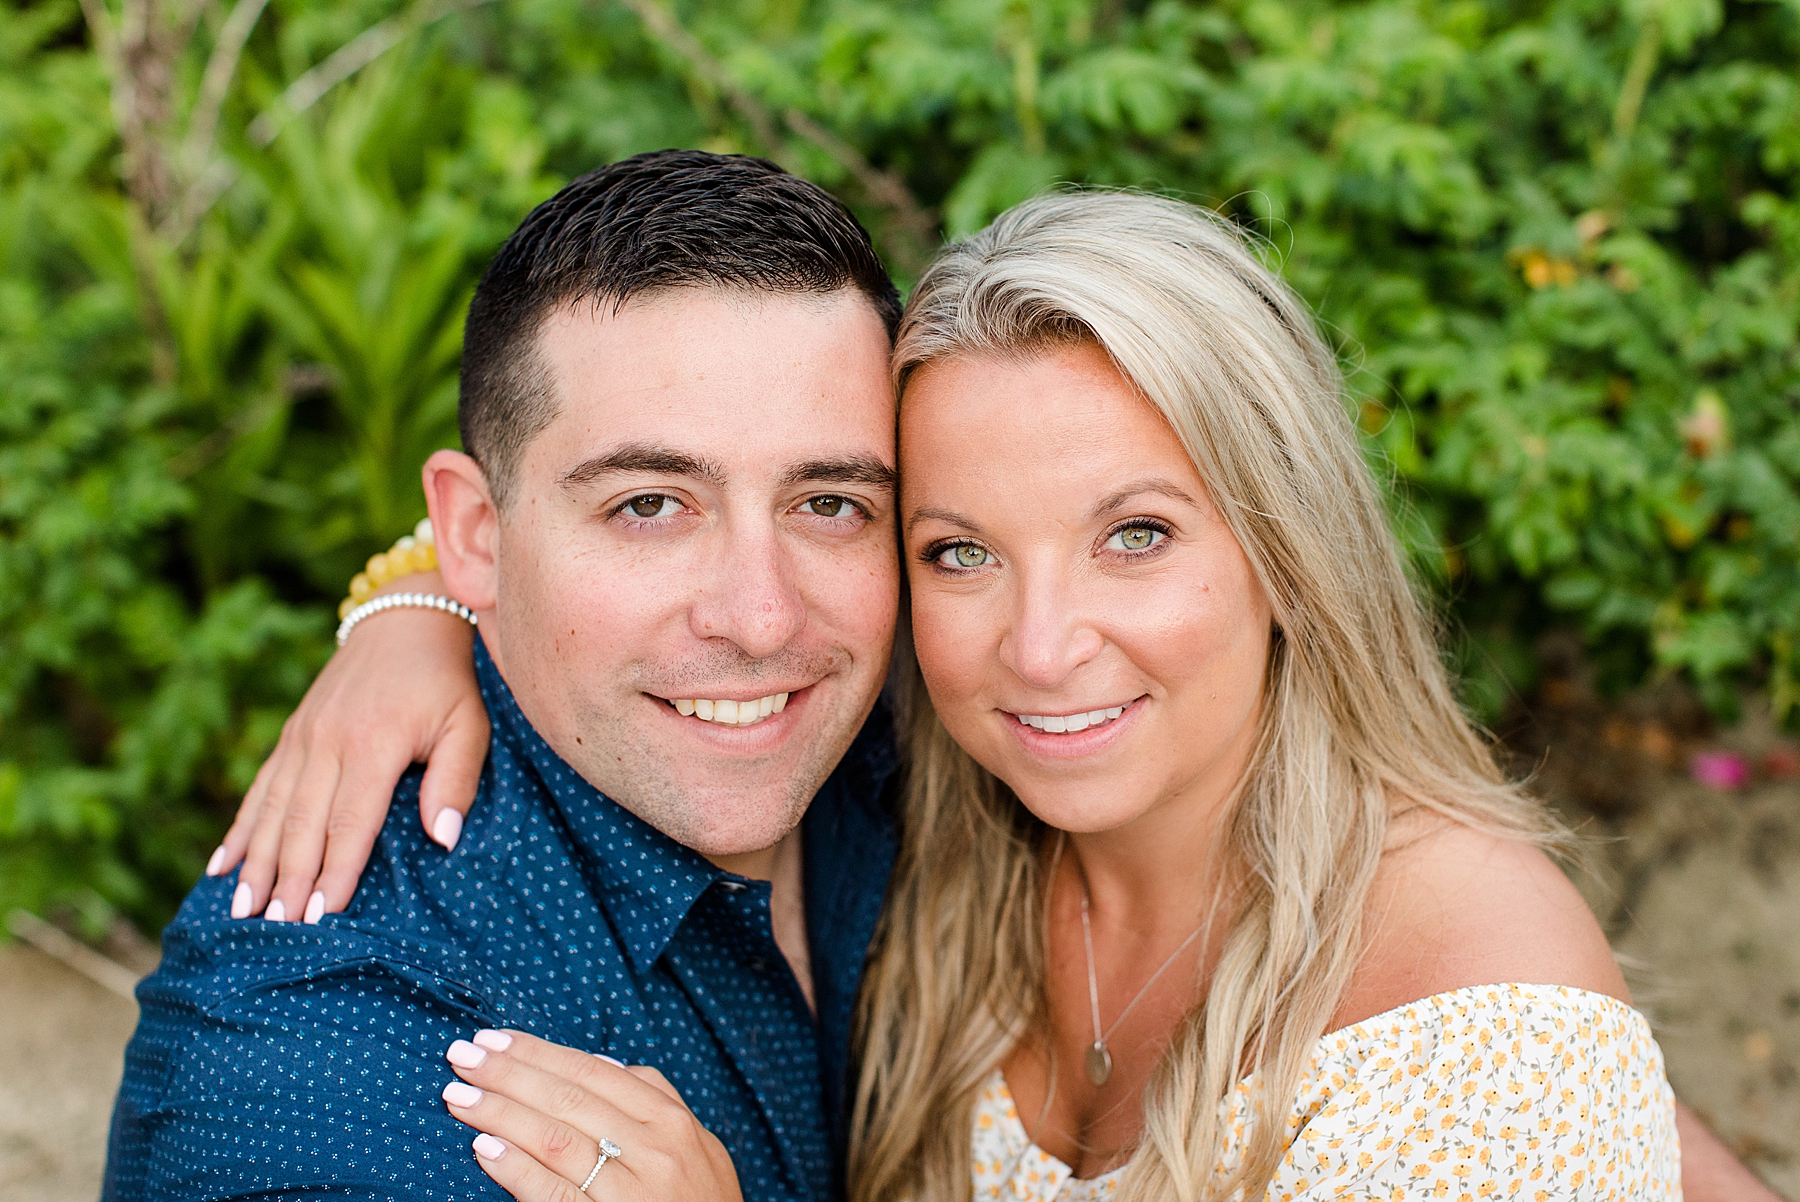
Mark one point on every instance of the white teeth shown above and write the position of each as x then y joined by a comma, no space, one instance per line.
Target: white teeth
731,713
1057,724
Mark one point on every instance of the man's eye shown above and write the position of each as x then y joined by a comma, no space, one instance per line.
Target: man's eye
963,555
653,505
831,507
1135,538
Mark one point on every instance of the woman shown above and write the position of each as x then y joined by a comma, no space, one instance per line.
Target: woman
1207,887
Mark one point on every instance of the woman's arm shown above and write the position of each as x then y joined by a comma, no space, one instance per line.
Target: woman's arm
400,691
1709,1172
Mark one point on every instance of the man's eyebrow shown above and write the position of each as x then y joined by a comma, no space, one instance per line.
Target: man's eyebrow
948,516
850,469
647,458
1168,488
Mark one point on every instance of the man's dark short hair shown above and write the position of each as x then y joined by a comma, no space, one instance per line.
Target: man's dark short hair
669,219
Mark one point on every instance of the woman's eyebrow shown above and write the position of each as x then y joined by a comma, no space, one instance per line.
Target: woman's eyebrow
1168,488
948,516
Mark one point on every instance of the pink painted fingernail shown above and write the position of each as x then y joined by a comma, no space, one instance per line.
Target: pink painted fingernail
460,1093
276,911
315,908
493,1041
464,1054
487,1147
216,865
609,1059
241,901
447,829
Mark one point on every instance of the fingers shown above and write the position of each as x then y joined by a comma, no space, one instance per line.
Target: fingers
357,813
262,858
519,1174
302,836
453,774
641,1099
549,1106
562,1148
645,1073
237,840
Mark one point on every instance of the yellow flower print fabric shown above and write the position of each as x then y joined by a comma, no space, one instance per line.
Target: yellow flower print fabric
1528,1092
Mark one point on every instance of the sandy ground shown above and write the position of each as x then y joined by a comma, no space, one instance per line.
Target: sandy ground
56,1094
1699,888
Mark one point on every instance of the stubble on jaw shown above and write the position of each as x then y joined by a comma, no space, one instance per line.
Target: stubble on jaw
616,751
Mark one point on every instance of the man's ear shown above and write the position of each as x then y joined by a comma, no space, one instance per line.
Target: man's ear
467,527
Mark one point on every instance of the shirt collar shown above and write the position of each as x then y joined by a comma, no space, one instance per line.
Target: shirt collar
644,880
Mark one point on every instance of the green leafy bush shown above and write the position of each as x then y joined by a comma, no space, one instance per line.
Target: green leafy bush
1559,242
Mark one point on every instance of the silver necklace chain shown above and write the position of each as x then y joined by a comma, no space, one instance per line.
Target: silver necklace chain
1099,1058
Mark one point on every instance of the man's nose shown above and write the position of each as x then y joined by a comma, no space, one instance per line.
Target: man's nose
1051,636
750,596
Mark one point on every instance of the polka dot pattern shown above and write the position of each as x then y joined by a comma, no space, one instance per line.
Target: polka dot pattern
282,1060
1531,1092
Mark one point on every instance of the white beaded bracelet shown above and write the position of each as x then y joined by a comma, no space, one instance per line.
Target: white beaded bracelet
402,601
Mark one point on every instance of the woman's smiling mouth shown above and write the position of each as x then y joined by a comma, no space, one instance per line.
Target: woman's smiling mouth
1081,720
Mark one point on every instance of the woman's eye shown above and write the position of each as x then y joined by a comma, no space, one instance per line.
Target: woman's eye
1135,538
831,507
963,555
653,505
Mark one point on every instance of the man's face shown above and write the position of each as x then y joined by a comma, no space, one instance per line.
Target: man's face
707,525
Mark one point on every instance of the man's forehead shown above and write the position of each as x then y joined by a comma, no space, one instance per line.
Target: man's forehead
701,383
685,336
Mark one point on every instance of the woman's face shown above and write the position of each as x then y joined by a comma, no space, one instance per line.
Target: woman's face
1090,630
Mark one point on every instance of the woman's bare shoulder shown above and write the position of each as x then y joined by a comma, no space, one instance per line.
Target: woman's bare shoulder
1452,906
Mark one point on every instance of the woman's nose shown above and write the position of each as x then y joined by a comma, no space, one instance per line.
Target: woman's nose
1050,638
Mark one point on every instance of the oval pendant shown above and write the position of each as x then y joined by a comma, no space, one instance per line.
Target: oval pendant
1099,1063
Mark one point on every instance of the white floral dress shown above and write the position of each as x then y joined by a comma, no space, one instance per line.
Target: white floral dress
1532,1092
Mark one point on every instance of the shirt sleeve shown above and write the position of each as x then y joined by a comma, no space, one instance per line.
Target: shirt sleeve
296,1062
1518,1093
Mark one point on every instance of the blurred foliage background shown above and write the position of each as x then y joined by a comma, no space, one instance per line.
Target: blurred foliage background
1558,241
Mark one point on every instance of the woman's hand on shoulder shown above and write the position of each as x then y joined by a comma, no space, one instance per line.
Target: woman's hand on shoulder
548,1113
1453,906
401,690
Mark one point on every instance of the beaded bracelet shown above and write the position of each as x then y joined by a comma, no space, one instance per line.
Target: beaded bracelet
402,601
415,553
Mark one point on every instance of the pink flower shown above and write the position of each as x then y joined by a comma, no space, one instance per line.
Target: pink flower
1719,770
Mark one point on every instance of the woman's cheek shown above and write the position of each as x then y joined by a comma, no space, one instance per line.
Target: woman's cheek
951,655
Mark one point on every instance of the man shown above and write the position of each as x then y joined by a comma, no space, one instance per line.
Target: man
677,504
678,494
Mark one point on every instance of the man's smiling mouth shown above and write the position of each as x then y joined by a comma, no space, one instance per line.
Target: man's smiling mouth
731,713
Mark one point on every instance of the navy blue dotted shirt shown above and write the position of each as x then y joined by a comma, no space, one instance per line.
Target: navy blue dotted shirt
278,1059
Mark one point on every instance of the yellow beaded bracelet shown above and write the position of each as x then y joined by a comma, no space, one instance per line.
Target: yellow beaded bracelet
414,553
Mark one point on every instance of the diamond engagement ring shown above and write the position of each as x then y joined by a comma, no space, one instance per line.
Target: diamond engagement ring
608,1151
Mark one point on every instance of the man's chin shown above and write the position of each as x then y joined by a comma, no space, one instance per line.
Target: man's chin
723,836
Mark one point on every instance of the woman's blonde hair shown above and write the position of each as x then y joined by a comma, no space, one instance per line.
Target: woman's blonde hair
1358,717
